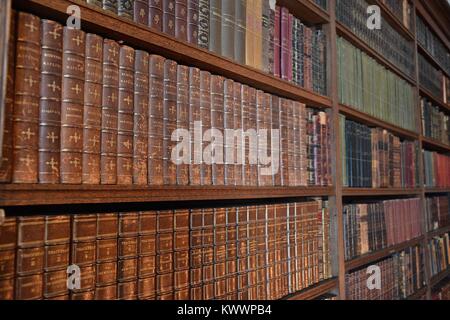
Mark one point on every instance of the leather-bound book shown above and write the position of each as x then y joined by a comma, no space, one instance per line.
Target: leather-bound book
257,35
125,8
192,21
252,159
246,169
275,120
128,255
271,146
215,26
155,14
6,161
196,254
26,99
296,143
195,120
229,142
291,143
170,121
205,113
97,3
110,5
208,254
303,146
165,254
250,33
156,121
284,43
72,107
290,46
168,9
92,119
8,243
126,117
240,30
110,112
231,253
140,11
183,158
181,19
268,37
217,123
284,160
181,254
277,43
237,125
141,113
127,290
220,254
228,14
147,255
203,24
106,256
83,296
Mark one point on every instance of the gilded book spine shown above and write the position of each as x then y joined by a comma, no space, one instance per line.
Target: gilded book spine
195,170
183,157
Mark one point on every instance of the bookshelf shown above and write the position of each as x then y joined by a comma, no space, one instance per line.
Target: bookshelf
15,197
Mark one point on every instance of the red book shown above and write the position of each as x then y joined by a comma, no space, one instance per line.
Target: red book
289,47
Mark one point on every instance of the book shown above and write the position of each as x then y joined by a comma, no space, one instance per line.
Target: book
434,165
141,11
155,15
168,14
203,24
437,212
215,26
125,9
193,21
240,26
181,19
227,35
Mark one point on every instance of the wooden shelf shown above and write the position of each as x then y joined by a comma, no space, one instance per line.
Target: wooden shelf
142,37
356,41
438,232
27,195
425,92
357,115
375,256
418,294
439,277
432,144
307,11
368,192
430,58
437,190
314,291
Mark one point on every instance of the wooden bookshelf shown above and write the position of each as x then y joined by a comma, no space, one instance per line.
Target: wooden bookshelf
438,232
431,144
418,294
431,59
437,100
314,291
367,192
378,255
306,10
437,190
439,277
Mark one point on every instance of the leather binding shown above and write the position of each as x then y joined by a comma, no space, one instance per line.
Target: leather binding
181,19
220,254
296,143
208,254
192,21
127,254
284,38
72,107
252,251
110,5
127,290
242,252
165,254
87,281
125,8
205,113
231,254
246,169
217,123
268,26
55,283
229,144
260,126
97,3
87,295
227,29
215,26
110,108
6,161
267,124
26,99
60,298
253,145
277,43
92,119
238,143
303,146
140,11
8,242
240,30
256,37
195,168
250,33
28,287
275,118
261,253
155,16
170,121
156,122
141,115
284,129
203,24
106,256
168,9
196,254
126,117
182,124
106,293
181,254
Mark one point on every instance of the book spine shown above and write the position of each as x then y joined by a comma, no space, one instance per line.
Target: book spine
97,3
229,143
26,99
228,28
205,112
193,21
181,255
125,9
155,14
141,118
182,126
50,103
110,5
203,24
8,251
170,121
127,262
238,144
217,124
147,255
155,125
181,20
195,123
168,9
110,112
240,31
215,26
92,119
252,124
250,33
284,38
275,118
141,11
276,43
72,106
165,256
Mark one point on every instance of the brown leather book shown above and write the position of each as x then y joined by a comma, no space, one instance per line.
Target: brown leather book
181,19
87,288
127,253
284,161
193,21
72,107
155,17
127,290
146,288
229,143
26,99
110,111
92,119
7,289
238,146
8,242
183,158
50,103
141,115
217,123
275,118
6,161
215,26
84,227
165,256
181,255
55,283
252,146
126,115
106,255
156,122
28,287
56,257
195,168
205,114
106,293
168,9
140,11
170,121
107,225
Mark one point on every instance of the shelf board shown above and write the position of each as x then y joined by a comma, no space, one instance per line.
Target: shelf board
27,195
306,10
314,291
375,256
142,37
367,192
438,232
418,294
439,277
356,41
430,190
435,145
357,115
430,58
425,92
